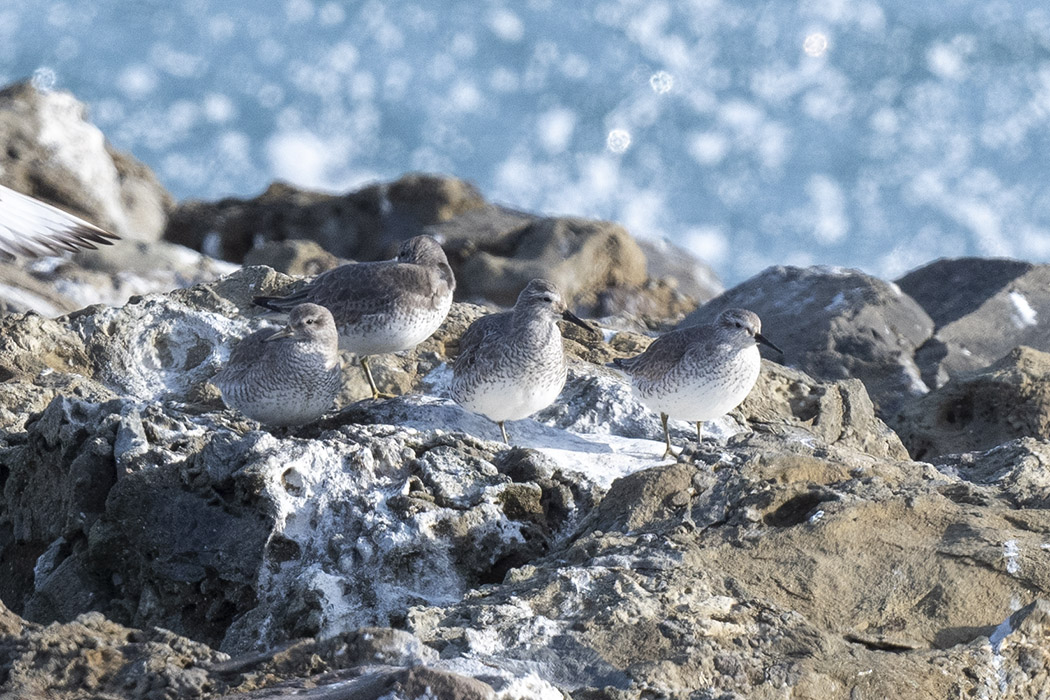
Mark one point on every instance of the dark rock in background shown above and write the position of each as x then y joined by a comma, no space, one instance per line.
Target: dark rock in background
365,225
494,251
978,410
982,309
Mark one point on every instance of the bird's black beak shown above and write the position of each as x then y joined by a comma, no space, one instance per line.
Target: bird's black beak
765,341
285,332
570,316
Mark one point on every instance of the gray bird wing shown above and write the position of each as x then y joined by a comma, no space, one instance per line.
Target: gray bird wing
353,291
479,341
663,354
30,228
245,357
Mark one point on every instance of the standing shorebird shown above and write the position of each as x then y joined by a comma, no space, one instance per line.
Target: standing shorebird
30,228
512,364
288,377
699,373
382,307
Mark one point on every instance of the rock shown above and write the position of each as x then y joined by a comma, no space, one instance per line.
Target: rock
399,544
295,257
485,238
96,656
692,276
1016,472
778,571
835,323
364,225
493,251
978,410
582,257
982,308
106,276
840,414
53,153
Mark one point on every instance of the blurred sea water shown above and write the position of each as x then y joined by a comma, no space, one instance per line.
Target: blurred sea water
877,134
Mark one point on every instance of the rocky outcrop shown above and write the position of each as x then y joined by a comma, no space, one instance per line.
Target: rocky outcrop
982,309
493,251
94,657
978,410
365,225
53,153
797,547
836,323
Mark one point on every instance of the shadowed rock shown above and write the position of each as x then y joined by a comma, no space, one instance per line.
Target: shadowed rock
982,308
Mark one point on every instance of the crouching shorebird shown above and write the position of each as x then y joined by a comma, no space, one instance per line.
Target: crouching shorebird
382,307
288,377
512,364
699,373
31,228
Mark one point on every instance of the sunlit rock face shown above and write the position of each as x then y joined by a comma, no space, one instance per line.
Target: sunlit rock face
54,152
982,308
402,532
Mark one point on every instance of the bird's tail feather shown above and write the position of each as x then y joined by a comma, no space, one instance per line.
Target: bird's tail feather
275,303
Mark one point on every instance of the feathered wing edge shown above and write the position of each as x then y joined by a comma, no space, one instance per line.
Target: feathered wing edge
31,228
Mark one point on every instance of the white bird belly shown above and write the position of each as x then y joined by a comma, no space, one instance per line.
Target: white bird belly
502,401
376,336
702,396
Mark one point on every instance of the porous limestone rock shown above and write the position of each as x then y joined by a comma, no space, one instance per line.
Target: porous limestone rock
980,409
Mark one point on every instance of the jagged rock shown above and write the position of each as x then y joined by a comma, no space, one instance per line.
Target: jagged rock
106,276
295,257
494,252
52,152
780,570
835,323
982,308
364,225
1017,472
581,256
94,657
981,409
838,413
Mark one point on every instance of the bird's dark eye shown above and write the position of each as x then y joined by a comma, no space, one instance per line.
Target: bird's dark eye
548,299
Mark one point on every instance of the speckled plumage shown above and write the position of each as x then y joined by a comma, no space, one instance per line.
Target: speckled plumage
288,377
382,307
699,373
29,227
512,364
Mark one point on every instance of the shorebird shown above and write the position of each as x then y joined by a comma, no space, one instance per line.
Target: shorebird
288,377
31,228
382,307
698,373
512,364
